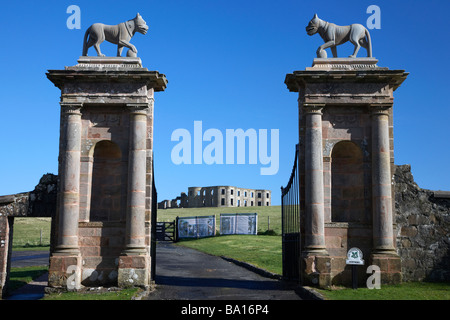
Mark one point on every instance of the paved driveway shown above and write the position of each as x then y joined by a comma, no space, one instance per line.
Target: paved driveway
186,274
21,259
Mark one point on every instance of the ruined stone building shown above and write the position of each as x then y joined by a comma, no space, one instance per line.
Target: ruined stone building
219,196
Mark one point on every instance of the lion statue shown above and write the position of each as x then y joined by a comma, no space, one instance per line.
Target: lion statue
119,34
334,35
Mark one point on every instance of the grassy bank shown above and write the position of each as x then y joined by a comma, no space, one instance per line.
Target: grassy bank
404,291
261,251
19,277
124,294
31,233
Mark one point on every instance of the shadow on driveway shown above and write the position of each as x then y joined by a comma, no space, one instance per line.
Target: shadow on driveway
187,274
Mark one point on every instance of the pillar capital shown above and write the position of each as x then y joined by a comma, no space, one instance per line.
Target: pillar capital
71,107
380,109
138,108
313,108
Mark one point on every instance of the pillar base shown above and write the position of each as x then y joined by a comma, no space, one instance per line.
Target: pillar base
133,250
315,251
66,250
390,266
65,272
316,268
134,271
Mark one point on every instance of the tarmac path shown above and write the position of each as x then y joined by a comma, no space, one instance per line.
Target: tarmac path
187,274
21,259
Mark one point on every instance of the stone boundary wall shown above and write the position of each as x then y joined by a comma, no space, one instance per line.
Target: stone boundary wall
423,229
41,202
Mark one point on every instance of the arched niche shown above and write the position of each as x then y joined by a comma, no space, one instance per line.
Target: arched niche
107,185
348,189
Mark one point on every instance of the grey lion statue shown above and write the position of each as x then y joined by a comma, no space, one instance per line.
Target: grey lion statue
334,35
119,34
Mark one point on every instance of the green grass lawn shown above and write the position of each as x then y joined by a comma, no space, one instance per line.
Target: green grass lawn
18,277
124,294
261,251
27,233
404,291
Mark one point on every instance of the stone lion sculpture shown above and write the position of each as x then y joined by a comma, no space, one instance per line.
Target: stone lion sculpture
334,35
119,34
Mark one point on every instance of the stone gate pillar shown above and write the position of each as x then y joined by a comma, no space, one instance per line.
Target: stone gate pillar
135,250
346,157
105,170
314,192
383,236
69,186
135,231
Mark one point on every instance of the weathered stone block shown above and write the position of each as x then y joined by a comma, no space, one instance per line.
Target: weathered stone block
408,231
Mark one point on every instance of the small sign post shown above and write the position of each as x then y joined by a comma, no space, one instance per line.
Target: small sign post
354,258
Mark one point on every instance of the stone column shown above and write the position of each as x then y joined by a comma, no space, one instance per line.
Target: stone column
135,223
69,207
65,262
134,263
314,192
381,182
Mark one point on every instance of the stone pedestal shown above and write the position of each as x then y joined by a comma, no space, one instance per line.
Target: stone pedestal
346,158
105,171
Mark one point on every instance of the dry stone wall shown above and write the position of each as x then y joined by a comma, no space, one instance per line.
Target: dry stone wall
41,202
423,229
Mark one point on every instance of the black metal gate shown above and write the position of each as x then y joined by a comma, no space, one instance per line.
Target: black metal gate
165,231
154,218
290,225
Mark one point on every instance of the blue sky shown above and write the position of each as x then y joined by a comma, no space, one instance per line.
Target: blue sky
226,62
